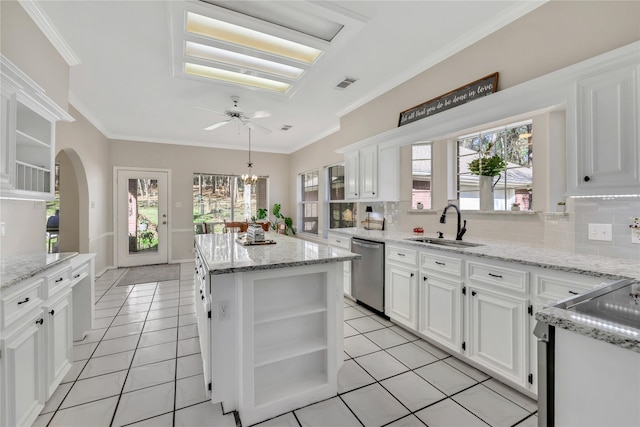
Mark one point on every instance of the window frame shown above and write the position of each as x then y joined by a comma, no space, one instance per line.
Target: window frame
302,203
425,178
328,201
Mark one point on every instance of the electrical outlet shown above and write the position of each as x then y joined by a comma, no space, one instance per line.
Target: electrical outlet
602,232
635,236
223,310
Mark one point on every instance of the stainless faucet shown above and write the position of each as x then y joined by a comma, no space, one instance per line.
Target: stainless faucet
443,220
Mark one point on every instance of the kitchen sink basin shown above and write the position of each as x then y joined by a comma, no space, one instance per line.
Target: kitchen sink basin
444,242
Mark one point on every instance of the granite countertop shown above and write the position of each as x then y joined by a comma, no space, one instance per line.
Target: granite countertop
17,268
223,255
538,256
521,253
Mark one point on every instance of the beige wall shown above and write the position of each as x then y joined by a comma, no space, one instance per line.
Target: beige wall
183,163
24,45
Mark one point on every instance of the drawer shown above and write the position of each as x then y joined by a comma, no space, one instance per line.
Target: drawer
80,272
441,264
499,277
401,255
56,280
26,298
339,241
553,288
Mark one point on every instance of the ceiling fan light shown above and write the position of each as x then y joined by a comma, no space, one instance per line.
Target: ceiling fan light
233,77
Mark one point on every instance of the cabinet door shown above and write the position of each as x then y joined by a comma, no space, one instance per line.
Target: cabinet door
7,132
605,143
23,374
440,311
346,283
352,175
59,345
369,172
497,331
403,296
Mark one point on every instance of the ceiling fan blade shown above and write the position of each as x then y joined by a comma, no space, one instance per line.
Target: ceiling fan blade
217,125
261,114
211,111
254,126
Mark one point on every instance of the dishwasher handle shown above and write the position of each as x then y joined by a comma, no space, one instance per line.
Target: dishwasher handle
365,245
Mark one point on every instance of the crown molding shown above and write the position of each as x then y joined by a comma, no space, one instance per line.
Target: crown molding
52,34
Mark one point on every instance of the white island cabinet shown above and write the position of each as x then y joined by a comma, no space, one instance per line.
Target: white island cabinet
270,322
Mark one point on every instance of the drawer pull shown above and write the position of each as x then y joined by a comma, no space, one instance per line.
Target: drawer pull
39,321
59,280
76,276
399,254
424,278
202,297
338,241
25,300
473,293
495,275
573,293
440,263
52,312
411,274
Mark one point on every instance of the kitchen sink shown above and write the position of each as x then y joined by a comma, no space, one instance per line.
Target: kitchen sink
444,242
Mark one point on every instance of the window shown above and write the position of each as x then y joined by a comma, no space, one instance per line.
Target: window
421,175
514,184
309,202
340,214
220,198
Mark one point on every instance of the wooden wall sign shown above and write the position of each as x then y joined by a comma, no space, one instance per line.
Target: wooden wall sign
482,87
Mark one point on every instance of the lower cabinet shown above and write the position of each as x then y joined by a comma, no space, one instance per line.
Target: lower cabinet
402,301
440,310
23,372
497,331
57,317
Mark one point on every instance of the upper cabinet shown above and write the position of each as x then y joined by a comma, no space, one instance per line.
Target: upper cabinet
372,173
27,136
603,151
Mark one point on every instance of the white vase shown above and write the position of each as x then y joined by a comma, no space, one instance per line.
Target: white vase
486,193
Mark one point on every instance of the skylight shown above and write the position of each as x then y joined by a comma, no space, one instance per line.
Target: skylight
235,34
233,77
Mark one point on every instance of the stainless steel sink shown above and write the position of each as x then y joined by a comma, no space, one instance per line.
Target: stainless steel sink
444,242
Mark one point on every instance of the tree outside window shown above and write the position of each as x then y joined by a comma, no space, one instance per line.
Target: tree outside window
514,184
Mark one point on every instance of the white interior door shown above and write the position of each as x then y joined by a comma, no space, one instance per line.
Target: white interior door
142,217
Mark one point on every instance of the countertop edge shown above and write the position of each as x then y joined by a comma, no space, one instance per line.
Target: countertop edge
32,273
243,269
560,318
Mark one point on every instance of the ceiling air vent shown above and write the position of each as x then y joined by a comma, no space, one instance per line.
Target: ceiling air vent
286,127
348,81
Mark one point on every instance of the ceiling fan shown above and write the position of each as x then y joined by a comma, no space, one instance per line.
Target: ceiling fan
235,114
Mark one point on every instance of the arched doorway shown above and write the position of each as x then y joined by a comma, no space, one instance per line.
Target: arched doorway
74,203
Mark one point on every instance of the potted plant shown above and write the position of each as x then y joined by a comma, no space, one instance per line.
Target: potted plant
486,167
515,206
561,206
281,219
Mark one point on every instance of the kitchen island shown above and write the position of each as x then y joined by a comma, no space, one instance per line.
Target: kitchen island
269,322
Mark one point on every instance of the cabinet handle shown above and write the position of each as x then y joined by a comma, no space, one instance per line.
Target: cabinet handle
424,278
399,254
356,194
573,293
76,276
473,293
440,263
374,193
39,321
25,300
495,275
338,241
586,178
411,274
59,280
202,297
52,312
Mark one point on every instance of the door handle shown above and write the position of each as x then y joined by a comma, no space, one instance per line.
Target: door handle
164,222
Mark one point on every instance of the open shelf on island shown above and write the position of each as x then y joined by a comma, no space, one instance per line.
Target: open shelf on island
286,297
289,350
289,312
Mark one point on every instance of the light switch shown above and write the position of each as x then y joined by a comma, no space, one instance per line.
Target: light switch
602,232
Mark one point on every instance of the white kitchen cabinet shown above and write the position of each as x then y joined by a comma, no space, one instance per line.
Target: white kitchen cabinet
363,169
401,286
497,329
343,242
28,135
602,126
58,326
23,371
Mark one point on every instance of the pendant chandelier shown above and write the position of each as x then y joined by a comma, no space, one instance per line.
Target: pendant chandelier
249,178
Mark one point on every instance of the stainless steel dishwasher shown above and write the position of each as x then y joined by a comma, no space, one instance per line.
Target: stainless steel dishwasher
367,273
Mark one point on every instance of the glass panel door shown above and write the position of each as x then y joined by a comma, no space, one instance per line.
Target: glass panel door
142,218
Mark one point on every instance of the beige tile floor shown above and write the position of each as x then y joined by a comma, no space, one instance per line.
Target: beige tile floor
141,367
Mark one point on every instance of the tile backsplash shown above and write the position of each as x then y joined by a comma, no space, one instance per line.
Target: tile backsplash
551,230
